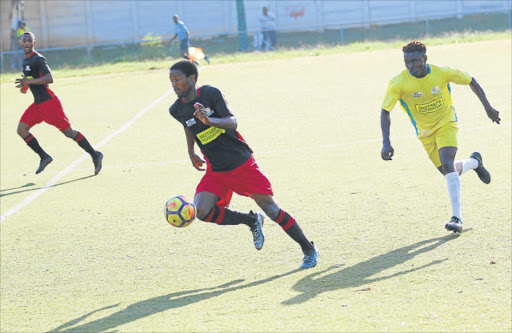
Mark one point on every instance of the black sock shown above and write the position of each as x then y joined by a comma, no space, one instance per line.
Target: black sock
292,228
34,144
225,216
82,142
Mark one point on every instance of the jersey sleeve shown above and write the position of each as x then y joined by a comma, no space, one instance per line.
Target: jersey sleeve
392,96
457,76
174,109
42,66
220,105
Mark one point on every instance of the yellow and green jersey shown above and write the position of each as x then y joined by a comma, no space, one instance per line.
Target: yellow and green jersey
428,100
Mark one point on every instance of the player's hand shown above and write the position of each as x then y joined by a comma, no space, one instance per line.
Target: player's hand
202,113
197,162
387,152
493,114
21,82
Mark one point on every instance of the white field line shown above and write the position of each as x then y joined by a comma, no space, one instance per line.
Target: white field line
73,165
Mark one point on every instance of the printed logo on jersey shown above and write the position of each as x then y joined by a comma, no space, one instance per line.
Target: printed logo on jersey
435,105
210,134
425,132
417,94
27,68
436,90
190,122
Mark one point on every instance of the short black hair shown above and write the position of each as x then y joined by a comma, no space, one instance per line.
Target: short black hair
28,33
415,46
187,67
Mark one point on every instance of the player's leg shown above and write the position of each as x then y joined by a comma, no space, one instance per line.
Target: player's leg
441,148
54,115
292,228
81,140
212,199
446,140
30,118
447,156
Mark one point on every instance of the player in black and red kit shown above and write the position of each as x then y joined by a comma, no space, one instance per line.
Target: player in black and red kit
46,107
230,165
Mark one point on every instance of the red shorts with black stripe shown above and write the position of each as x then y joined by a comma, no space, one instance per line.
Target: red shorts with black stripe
244,180
50,112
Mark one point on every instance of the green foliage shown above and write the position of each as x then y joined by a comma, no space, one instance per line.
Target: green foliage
124,64
152,40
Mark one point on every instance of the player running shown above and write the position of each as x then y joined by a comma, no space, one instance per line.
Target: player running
46,107
424,94
230,165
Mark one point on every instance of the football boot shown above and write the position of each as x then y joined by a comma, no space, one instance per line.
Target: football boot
310,257
97,162
44,163
482,172
256,229
454,225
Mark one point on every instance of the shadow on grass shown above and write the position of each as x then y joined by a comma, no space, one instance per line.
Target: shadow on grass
38,188
360,274
155,305
15,188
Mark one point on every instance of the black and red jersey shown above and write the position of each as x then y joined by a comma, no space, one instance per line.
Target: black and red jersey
225,149
35,66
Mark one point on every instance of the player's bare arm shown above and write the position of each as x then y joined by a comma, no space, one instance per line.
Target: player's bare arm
197,161
24,81
492,113
227,123
385,124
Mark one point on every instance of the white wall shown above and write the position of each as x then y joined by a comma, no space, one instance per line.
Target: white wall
59,23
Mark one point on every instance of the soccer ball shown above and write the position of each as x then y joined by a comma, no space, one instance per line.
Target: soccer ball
179,211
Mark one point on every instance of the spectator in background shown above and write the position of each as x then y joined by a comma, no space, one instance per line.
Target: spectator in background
268,29
22,28
182,34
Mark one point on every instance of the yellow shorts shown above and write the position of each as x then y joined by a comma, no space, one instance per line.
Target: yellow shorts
444,136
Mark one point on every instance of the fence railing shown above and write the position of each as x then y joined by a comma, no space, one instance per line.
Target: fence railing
87,51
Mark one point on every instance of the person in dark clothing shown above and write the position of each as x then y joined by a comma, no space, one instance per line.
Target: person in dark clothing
230,165
46,107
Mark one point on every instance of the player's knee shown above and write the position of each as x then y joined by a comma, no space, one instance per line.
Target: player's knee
70,133
23,131
448,167
202,211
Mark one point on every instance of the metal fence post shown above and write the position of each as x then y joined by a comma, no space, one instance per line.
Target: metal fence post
2,61
89,60
427,26
509,20
342,38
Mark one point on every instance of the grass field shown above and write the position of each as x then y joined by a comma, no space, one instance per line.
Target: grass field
94,254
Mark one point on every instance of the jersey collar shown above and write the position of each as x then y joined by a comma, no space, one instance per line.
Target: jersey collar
198,94
428,68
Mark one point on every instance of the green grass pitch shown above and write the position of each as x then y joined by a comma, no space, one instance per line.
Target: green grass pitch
95,254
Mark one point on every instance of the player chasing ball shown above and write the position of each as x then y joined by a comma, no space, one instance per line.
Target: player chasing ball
46,107
425,95
230,165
